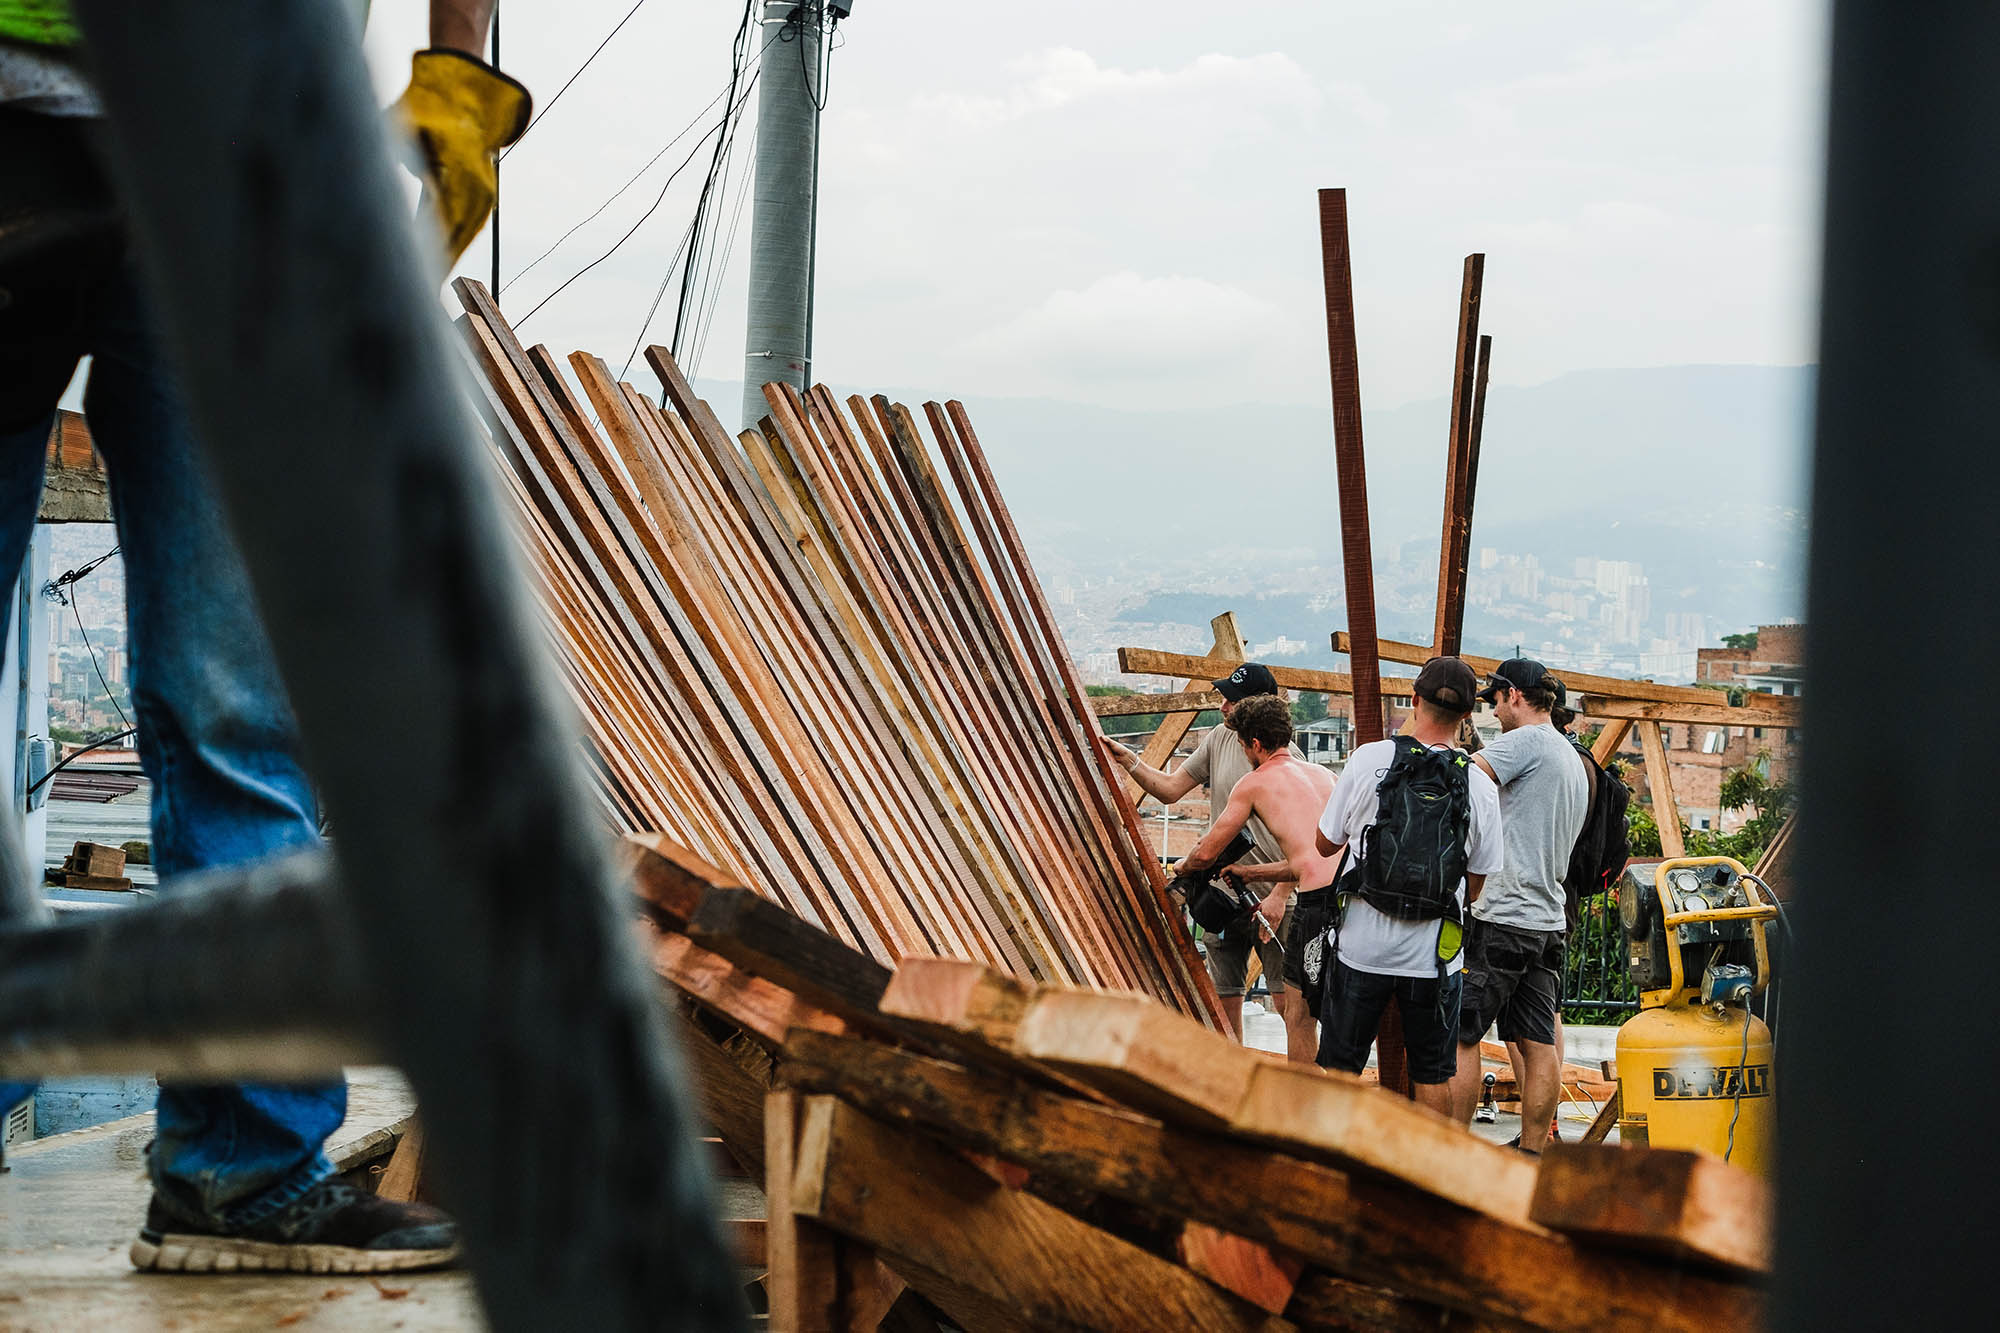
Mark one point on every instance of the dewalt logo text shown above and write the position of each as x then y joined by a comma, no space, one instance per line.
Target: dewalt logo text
1696,1084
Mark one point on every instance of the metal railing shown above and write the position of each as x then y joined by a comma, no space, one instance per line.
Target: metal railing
1596,988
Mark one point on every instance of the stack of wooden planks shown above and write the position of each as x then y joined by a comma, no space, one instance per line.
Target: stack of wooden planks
816,654
943,1142
92,865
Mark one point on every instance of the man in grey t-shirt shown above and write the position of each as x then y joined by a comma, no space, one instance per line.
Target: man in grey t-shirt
1514,949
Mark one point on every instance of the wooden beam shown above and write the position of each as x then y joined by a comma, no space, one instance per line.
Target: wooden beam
957,997
1167,1065
1324,1300
1143,705
1368,1228
403,1179
1609,739
804,1257
1153,662
1596,707
934,1217
1660,786
1783,708
1261,1275
1172,730
1669,1201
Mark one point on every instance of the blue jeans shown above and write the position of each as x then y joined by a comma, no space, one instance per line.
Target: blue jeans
216,734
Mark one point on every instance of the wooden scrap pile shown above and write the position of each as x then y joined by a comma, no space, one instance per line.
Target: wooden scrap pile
1024,1157
806,654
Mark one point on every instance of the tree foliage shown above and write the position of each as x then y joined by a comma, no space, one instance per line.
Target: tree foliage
1308,708
1741,643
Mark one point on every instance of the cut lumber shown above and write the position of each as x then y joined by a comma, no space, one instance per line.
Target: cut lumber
1261,1275
1144,705
1166,1065
762,1009
1315,1112
804,1257
1324,1300
1370,1229
1782,709
1153,662
1660,788
931,1215
1664,1200
403,1178
961,998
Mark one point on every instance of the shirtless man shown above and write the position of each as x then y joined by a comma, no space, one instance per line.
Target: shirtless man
1287,794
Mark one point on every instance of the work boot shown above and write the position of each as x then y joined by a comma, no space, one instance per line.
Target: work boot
332,1228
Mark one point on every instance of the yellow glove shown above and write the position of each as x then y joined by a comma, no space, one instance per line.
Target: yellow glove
462,112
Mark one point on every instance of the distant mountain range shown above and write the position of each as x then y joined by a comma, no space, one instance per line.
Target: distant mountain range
1698,472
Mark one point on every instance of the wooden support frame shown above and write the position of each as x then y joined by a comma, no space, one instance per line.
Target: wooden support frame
1455,541
1230,648
1660,787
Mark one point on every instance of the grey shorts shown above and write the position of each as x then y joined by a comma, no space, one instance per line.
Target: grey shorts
1229,957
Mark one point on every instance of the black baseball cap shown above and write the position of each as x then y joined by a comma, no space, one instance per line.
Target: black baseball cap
1252,678
1448,683
1521,673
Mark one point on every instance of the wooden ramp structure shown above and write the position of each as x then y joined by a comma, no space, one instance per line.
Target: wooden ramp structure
938,1002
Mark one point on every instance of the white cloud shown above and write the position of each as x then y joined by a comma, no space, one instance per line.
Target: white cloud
1049,80
1124,327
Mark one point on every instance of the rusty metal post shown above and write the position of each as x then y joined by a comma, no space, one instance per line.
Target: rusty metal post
1454,542
1357,559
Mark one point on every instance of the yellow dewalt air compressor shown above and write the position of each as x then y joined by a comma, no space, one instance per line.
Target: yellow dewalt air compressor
1694,1066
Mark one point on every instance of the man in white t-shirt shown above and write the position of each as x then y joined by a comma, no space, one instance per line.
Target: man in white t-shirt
1514,951
1378,956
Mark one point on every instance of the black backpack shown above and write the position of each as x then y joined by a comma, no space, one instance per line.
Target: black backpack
1413,855
1603,846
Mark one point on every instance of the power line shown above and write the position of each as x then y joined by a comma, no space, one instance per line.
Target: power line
53,590
737,52
550,105
634,227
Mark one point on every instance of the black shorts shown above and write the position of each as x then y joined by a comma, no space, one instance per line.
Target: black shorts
1352,1011
1308,961
1513,976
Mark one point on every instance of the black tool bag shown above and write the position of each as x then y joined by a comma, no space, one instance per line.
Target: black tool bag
1413,855
1215,904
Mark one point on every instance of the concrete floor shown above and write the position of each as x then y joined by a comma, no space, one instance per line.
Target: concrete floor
72,1203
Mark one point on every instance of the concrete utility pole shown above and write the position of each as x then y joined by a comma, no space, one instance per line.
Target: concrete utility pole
778,335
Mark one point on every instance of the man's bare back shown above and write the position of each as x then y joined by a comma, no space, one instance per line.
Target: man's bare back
1289,795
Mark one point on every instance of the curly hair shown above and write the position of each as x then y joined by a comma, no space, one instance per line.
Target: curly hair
1265,718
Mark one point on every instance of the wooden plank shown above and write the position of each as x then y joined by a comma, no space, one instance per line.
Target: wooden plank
760,1008
1154,662
1159,918
1229,643
1315,1112
1145,705
1669,1201
764,938
1609,739
1606,1118
1373,1230
748,1239
1151,1058
803,1256
1582,682
959,997
402,1180
1660,786
1596,707
1141,1052
1324,1300
918,1205
1261,1275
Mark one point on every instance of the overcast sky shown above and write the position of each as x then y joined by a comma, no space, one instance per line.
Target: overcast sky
1114,203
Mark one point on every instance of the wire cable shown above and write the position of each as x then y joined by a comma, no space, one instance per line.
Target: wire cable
685,130
1742,1067
737,53
550,105
616,245
75,755
53,590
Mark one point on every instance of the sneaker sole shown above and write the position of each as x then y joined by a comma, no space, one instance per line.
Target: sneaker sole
174,1253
